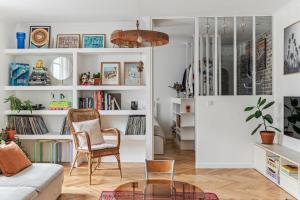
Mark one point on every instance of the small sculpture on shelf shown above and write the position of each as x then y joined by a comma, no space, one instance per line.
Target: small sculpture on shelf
61,104
39,74
86,79
19,74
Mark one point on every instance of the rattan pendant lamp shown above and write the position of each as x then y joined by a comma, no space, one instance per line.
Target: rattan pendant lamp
138,38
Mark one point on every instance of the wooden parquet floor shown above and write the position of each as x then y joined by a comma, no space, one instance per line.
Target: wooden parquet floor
228,184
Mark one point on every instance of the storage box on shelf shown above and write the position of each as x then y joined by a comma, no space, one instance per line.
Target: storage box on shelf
85,60
183,118
284,163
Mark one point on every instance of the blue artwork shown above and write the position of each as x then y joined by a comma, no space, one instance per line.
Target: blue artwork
18,74
93,41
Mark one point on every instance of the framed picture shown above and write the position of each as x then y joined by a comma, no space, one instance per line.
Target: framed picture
93,40
133,73
68,41
39,37
261,54
110,73
292,48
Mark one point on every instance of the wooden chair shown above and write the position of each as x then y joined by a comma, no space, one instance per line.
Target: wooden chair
92,151
160,166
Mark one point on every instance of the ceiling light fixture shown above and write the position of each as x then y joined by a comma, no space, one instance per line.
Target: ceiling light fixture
139,38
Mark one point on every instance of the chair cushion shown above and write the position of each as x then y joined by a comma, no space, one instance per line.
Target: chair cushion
12,159
17,193
38,176
102,146
91,127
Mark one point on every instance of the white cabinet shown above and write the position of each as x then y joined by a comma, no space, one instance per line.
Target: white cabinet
288,182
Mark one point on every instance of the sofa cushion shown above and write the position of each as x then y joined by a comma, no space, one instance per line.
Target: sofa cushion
17,193
38,176
101,146
12,159
92,128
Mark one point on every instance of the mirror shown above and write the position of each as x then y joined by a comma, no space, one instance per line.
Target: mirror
61,68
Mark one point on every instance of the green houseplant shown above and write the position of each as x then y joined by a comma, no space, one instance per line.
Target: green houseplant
17,105
267,135
96,78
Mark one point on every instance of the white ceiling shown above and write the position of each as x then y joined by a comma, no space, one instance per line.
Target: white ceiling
95,10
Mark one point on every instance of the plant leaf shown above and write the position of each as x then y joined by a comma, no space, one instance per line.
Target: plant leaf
249,108
258,114
268,118
294,102
262,102
259,100
287,107
275,128
268,105
254,131
296,128
250,117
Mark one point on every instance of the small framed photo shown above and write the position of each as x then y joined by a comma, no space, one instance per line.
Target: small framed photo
133,73
110,73
93,40
39,37
68,41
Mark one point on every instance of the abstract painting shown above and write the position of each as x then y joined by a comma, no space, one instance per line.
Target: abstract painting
39,37
132,73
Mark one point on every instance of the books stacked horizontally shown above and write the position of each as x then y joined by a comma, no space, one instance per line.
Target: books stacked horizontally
136,125
273,167
101,101
290,170
27,125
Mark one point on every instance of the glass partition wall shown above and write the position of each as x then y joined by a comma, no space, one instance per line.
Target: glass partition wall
235,55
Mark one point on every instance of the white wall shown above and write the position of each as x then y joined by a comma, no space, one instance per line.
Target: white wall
224,139
169,63
7,37
284,85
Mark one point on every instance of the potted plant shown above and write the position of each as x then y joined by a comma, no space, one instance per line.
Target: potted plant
97,78
267,136
178,87
10,133
17,105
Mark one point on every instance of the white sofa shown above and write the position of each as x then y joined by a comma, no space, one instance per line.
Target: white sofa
40,181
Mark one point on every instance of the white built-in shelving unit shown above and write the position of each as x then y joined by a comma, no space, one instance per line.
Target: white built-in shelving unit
184,121
133,147
285,156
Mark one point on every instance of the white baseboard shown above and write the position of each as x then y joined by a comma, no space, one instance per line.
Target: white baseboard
224,165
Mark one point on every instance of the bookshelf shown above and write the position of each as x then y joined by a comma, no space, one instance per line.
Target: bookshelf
184,122
278,175
88,60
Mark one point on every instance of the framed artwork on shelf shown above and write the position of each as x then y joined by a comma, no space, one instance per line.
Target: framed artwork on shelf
110,73
133,73
93,40
68,41
39,37
291,48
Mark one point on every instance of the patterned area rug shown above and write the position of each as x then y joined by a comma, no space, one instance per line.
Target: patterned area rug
110,195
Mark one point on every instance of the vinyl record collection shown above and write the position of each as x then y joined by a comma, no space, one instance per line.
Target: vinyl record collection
136,125
27,125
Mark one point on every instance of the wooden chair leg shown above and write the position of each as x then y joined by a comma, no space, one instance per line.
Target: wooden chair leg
74,161
90,168
119,164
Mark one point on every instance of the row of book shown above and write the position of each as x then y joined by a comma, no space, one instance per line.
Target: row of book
101,101
273,168
27,125
65,129
291,170
136,125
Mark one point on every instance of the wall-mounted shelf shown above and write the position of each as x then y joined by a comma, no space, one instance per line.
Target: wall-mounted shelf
65,112
37,88
64,51
110,87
